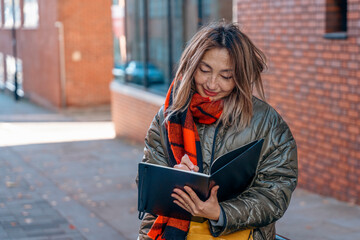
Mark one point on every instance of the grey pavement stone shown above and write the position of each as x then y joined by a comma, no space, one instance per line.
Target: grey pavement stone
46,232
34,238
75,213
7,218
9,224
3,233
15,232
14,224
311,216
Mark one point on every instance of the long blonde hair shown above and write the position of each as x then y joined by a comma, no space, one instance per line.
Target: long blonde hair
248,62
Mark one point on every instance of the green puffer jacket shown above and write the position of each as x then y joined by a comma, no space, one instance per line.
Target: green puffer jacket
268,197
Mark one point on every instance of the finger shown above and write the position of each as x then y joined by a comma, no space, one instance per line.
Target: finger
186,160
196,168
214,192
185,207
193,195
178,198
186,200
182,167
181,202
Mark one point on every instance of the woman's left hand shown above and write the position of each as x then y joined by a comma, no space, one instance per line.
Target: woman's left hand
189,201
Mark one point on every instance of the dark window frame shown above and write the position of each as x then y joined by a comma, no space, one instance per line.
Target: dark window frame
336,19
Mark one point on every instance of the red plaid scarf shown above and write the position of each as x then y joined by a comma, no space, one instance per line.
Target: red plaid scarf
183,138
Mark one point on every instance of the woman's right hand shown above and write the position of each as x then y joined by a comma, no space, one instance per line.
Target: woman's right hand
186,164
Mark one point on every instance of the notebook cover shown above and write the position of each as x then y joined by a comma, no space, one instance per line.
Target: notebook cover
233,172
157,184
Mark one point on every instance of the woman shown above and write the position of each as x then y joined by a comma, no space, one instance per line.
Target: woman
210,110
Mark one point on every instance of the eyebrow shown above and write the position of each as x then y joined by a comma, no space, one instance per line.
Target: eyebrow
207,65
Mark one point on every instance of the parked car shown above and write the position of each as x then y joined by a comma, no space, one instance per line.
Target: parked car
133,71
119,71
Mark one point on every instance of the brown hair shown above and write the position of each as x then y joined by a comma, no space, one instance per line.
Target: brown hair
248,62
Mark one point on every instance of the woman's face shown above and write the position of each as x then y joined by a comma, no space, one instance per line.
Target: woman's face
214,75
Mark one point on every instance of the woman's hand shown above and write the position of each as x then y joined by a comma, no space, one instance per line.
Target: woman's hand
186,164
189,201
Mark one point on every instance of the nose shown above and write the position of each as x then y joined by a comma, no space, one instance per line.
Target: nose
212,82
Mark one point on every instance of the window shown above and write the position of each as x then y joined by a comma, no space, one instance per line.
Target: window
158,44
11,70
9,14
156,34
213,10
336,19
31,13
118,24
2,76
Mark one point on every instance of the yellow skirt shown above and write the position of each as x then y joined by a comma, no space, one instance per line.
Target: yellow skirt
200,231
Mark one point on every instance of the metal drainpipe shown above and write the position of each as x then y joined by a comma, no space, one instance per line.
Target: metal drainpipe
14,46
146,38
170,39
60,26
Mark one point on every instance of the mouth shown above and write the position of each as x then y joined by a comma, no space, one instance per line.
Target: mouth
210,94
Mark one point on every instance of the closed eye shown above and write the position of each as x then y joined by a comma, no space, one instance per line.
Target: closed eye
226,77
204,70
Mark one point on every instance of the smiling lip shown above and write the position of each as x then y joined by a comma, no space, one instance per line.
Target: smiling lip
210,94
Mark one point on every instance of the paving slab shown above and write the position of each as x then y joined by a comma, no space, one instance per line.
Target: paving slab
311,216
24,215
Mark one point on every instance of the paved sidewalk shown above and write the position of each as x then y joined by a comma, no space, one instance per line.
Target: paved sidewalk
63,175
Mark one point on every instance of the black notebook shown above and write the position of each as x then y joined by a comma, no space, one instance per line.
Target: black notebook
233,172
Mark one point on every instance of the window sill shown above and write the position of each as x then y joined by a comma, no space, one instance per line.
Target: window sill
335,35
137,92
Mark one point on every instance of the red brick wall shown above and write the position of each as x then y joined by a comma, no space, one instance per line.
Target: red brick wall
88,33
131,116
38,50
315,84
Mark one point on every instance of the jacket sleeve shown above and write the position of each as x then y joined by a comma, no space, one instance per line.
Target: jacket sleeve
267,199
155,148
154,152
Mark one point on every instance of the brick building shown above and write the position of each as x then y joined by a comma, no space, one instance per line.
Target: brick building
313,50
314,82
64,50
